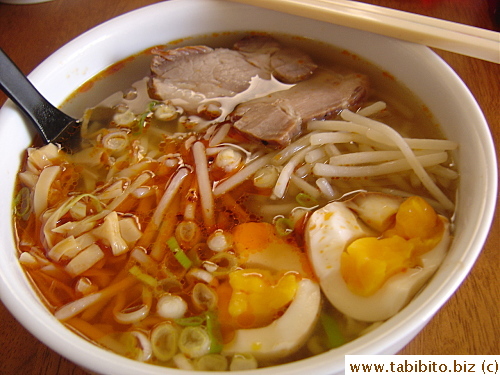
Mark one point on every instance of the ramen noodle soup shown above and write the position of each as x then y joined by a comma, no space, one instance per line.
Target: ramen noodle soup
245,204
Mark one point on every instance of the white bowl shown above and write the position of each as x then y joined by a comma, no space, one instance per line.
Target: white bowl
417,67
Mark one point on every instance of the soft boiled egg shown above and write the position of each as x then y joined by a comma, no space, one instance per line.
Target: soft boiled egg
286,334
262,302
375,251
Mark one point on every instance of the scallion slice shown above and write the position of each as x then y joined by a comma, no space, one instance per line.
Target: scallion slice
306,200
183,259
194,341
192,321
179,254
164,340
143,277
22,202
214,332
333,334
283,226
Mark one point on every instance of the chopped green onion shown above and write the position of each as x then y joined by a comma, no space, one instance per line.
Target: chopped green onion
192,321
173,245
183,259
22,202
144,277
145,115
306,200
214,332
212,362
283,226
169,283
194,255
243,361
212,328
142,119
333,334
203,296
180,255
194,342
225,262
152,105
130,348
164,340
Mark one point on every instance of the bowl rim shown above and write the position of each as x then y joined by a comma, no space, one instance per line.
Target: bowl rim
419,311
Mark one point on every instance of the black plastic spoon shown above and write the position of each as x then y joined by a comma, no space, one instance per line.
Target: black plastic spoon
53,125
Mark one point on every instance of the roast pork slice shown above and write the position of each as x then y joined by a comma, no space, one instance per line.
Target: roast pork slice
288,65
277,118
187,72
188,75
272,122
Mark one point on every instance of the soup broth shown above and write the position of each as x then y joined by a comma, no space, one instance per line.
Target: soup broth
182,233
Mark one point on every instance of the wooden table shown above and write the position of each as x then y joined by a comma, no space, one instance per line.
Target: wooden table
468,324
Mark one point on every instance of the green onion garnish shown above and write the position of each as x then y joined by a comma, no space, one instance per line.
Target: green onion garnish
152,105
145,115
192,321
183,259
22,202
212,328
180,255
173,245
283,226
333,334
142,119
214,332
142,276
306,200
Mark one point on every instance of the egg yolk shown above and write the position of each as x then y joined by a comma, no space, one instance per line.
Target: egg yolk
258,296
368,262
253,237
259,242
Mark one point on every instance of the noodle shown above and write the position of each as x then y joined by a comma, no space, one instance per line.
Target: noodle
336,125
322,138
219,136
241,175
164,232
287,171
315,155
42,188
396,166
168,196
326,188
364,157
372,109
305,186
412,160
207,199
281,157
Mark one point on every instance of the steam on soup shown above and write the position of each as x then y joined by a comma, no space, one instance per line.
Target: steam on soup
231,194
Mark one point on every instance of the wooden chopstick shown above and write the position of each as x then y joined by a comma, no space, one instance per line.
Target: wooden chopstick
445,35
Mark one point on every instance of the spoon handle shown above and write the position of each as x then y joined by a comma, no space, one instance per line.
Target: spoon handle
48,120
